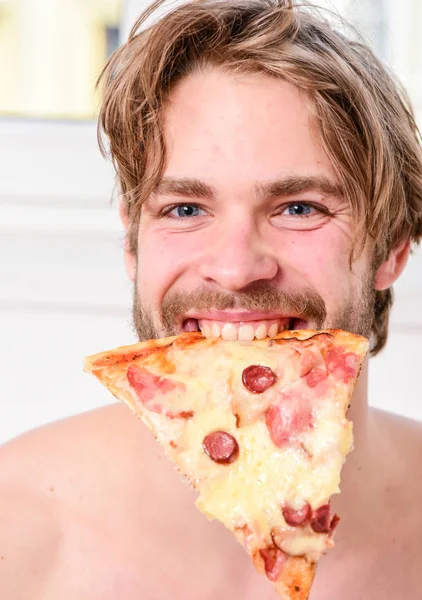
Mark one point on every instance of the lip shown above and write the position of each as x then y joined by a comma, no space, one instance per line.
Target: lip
238,316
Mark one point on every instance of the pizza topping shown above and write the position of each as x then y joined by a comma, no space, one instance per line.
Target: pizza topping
260,386
288,418
149,386
299,542
321,520
221,447
314,377
274,561
294,517
343,365
308,360
183,414
334,522
258,378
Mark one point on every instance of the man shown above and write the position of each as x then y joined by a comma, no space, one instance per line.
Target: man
268,168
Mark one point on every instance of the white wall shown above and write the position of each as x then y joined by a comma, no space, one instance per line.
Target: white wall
64,293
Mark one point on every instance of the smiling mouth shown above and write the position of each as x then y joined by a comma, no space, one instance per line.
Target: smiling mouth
244,330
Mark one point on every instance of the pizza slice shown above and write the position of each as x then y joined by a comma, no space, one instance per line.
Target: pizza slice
259,429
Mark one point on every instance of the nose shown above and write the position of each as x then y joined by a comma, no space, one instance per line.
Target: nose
238,258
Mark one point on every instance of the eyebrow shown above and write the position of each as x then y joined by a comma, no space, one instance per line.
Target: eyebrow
289,186
293,185
186,187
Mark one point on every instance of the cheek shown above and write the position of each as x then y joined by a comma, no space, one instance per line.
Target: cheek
162,258
319,256
320,260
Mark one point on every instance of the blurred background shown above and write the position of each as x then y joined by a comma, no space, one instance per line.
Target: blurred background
63,290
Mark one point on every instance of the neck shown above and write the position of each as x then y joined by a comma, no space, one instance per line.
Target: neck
356,468
359,415
357,504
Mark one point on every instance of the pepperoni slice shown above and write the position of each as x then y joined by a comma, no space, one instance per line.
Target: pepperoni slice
258,378
221,447
274,561
293,517
321,520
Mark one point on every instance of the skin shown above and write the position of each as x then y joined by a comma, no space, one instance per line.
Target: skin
91,508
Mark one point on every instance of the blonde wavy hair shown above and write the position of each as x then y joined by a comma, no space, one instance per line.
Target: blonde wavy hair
365,121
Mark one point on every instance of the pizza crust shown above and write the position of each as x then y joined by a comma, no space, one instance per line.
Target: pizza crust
127,354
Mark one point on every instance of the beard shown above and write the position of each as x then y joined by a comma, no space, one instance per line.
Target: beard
355,314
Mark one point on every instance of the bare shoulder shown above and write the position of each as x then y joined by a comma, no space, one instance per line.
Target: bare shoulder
403,436
54,481
397,451
29,541
397,446
73,459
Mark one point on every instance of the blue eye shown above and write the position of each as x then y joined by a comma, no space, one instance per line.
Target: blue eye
300,209
301,215
183,211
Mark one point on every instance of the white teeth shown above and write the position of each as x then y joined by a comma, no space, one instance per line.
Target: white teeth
206,330
229,332
215,330
232,331
246,333
273,330
261,331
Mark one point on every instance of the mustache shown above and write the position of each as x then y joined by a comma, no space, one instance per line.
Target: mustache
305,303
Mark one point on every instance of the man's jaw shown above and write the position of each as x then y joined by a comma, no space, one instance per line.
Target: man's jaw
242,326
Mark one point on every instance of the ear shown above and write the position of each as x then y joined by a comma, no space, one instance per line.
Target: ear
393,266
130,259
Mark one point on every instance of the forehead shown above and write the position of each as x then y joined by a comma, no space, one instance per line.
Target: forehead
240,130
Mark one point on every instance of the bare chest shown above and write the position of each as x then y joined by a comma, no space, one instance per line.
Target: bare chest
204,565
157,563
203,562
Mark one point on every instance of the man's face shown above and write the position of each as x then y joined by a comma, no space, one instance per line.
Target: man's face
248,233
